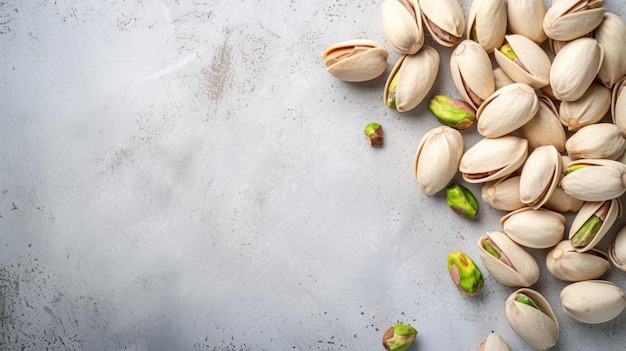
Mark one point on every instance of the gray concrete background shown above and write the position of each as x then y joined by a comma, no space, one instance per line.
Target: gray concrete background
184,175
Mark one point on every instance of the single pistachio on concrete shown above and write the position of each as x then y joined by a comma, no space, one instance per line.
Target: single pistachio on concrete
493,342
399,337
506,261
599,140
590,108
524,61
356,60
437,158
503,193
593,301
402,25
540,176
506,110
537,229
444,20
466,275
461,201
374,134
565,263
471,72
526,18
571,19
486,23
618,103
545,127
411,79
607,176
560,201
575,67
617,250
493,158
500,78
531,317
610,34
452,112
592,222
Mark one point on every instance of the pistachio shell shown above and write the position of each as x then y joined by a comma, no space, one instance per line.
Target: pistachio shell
560,201
565,263
526,18
610,34
534,64
556,45
575,67
402,25
617,251
493,158
493,342
486,23
600,140
538,327
593,301
608,211
500,78
503,193
506,110
437,158
356,60
540,176
515,267
538,229
444,19
590,108
618,104
545,127
471,71
607,176
571,19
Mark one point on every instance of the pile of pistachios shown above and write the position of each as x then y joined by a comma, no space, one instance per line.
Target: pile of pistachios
524,109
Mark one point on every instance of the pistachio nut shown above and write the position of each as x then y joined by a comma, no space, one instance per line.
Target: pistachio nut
590,108
493,158
618,103
461,201
526,18
617,250
565,263
575,67
493,342
607,176
540,176
556,45
592,222
600,140
471,71
437,158
500,78
452,112
518,104
560,201
506,261
486,23
444,20
411,79
545,127
593,301
571,19
531,317
356,60
399,337
503,193
524,61
466,275
402,25
537,229
374,134
610,34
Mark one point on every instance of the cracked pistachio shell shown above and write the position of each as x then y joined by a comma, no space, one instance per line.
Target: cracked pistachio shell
537,229
514,267
402,25
500,78
532,65
608,178
593,301
600,140
618,104
416,74
565,263
493,342
607,211
444,20
538,327
571,19
437,158
526,18
574,68
506,110
503,193
493,158
471,72
540,176
590,108
486,23
610,34
617,250
355,60
560,201
545,127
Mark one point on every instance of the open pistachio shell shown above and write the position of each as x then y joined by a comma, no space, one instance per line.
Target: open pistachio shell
471,72
506,261
493,342
593,301
537,325
493,158
356,60
444,19
437,158
590,108
503,193
571,19
592,222
599,140
540,176
575,67
538,229
607,176
531,64
506,110
618,104
545,127
402,25
565,263
610,34
617,250
486,23
526,18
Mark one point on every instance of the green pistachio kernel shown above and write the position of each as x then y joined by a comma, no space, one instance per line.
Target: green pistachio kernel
374,134
474,34
461,201
587,232
399,337
492,251
391,92
573,168
465,274
452,112
507,50
522,298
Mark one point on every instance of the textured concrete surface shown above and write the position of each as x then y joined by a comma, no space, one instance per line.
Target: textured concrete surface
184,175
